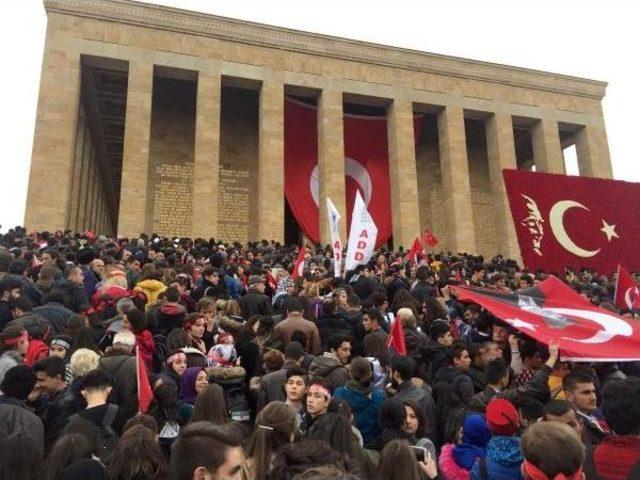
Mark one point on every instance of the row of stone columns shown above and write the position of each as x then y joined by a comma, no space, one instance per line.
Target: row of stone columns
54,151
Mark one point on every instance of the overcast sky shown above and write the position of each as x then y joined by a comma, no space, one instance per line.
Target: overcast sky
595,39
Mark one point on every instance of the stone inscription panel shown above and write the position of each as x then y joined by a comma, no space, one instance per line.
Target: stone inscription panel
233,202
172,199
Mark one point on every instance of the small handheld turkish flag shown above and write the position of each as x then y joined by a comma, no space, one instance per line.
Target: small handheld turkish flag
627,293
430,239
298,269
396,338
145,394
416,248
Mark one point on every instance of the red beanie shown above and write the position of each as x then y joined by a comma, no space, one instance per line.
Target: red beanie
502,417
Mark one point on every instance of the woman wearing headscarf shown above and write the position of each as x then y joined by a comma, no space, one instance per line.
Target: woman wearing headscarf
192,382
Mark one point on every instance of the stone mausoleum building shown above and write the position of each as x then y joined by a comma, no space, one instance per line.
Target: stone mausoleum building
153,119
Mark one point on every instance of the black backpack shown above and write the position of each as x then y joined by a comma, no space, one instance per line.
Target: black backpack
105,436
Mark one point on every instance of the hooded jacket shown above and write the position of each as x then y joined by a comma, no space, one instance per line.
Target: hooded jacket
503,460
16,418
435,356
152,289
330,369
365,403
460,382
168,316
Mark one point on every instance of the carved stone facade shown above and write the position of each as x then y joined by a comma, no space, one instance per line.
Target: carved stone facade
210,165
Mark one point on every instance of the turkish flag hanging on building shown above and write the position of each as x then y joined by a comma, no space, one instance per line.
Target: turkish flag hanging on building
366,167
568,221
627,293
554,311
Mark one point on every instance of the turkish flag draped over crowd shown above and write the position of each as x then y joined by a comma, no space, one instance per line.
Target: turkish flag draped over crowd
366,167
554,311
627,294
569,221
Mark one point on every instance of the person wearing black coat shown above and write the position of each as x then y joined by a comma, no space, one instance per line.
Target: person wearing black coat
330,323
73,287
255,302
362,282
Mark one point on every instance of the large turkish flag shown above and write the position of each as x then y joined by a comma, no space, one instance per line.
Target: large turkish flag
554,311
569,221
366,167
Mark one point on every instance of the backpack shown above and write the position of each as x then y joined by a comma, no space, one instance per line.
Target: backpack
105,436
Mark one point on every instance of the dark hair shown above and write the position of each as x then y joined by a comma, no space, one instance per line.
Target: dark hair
438,329
557,407
496,370
274,427
405,366
292,305
297,372
621,405
376,346
20,458
177,339
398,461
457,349
392,414
137,320
336,340
334,430
75,324
201,444
273,360
211,406
571,381
300,337
68,449
354,301
51,366
86,338
375,315
21,303
296,458
55,295
528,349
172,294
265,327
147,461
424,429
293,351
146,421
96,379
165,406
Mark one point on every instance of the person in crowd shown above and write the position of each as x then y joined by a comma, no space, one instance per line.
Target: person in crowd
561,411
148,462
397,460
363,400
151,286
416,426
223,353
552,451
170,314
193,381
497,375
255,302
272,384
275,426
211,285
15,416
195,325
318,399
120,364
456,460
295,390
173,368
503,460
165,411
456,374
9,290
617,456
21,457
330,323
580,392
436,354
14,343
294,321
73,287
372,323
135,322
206,451
72,457
331,366
93,274
61,346
82,362
310,457
51,384
211,405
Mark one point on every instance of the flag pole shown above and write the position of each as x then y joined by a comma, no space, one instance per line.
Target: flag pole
615,292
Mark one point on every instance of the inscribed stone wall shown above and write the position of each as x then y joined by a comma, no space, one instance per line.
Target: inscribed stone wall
237,197
172,140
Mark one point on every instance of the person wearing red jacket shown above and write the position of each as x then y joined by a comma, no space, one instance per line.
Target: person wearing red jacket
135,321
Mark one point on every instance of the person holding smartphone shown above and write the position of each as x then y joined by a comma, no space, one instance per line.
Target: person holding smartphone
399,460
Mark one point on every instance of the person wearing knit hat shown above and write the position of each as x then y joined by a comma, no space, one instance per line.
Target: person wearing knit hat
364,401
16,386
14,343
504,457
223,353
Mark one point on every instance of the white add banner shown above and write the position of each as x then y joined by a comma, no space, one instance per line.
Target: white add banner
362,237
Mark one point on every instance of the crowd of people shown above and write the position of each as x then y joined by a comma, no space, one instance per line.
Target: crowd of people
259,375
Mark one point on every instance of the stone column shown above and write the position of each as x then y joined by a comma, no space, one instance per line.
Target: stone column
502,154
94,194
405,207
54,140
271,158
547,152
331,162
135,156
455,180
84,186
72,223
89,194
592,150
206,158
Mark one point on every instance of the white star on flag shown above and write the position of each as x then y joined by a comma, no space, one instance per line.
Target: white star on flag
609,230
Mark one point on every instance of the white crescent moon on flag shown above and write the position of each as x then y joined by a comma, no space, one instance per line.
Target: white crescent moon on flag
352,169
557,227
627,296
611,325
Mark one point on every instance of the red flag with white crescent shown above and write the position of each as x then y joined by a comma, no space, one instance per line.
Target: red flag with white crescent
430,238
298,268
627,292
570,221
396,338
554,311
416,249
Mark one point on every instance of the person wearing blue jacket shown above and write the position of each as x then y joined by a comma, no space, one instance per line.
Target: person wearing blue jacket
364,401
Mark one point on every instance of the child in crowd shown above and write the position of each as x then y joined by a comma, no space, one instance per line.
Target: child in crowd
223,353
